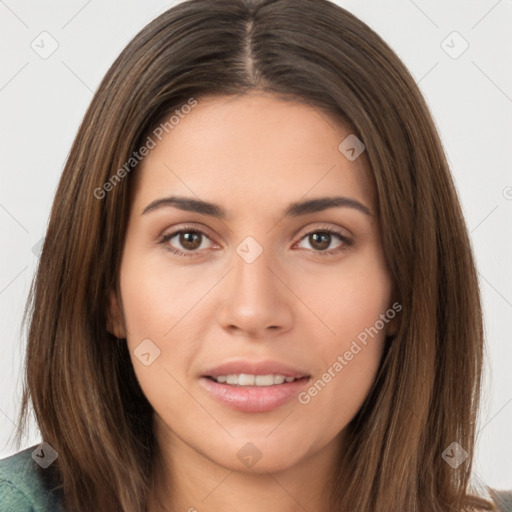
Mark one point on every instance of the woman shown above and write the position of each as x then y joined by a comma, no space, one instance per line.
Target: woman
256,288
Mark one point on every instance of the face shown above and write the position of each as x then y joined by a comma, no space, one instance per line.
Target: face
255,329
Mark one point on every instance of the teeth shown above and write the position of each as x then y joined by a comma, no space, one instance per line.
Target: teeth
245,379
232,379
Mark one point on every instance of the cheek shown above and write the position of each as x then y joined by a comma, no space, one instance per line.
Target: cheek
352,299
156,306
155,310
357,309
334,399
156,296
350,364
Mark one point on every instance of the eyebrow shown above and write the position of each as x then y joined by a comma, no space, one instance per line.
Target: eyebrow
295,209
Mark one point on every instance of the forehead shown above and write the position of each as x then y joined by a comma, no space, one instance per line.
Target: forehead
253,150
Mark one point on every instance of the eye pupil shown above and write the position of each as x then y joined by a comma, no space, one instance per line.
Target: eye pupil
187,240
324,239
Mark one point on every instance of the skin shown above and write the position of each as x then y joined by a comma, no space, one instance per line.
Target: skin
253,155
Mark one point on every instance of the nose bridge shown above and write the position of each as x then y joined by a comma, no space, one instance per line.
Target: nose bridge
255,299
252,276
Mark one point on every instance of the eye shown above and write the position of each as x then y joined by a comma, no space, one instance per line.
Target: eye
321,239
190,239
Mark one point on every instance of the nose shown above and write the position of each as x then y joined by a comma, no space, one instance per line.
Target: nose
255,300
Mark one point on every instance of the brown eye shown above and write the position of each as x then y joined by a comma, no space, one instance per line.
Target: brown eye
190,240
321,239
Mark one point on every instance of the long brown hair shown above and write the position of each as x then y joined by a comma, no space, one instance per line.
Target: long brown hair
79,378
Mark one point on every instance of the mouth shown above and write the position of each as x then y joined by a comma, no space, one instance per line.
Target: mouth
254,386
247,379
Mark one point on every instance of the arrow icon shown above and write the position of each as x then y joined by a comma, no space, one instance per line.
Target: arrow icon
351,147
249,253
146,352
249,454
44,454
454,45
454,455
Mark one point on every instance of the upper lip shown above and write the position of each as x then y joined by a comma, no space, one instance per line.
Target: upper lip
263,367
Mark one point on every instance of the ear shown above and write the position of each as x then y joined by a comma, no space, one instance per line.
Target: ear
115,320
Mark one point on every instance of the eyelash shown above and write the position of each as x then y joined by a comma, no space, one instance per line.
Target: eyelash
345,245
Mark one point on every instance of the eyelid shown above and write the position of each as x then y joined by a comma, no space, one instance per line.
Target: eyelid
310,228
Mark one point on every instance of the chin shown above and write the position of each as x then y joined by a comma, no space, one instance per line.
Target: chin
259,455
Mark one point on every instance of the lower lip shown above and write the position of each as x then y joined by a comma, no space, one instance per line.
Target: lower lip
253,398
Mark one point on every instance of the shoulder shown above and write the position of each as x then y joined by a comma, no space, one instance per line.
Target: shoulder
23,486
502,498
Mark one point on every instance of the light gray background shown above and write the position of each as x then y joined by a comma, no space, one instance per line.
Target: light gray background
43,101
